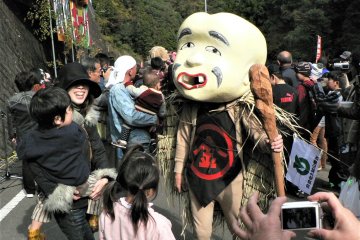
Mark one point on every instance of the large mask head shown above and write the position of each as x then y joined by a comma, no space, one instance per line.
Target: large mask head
215,53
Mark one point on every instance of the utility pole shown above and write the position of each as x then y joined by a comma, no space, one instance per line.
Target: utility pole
52,39
205,6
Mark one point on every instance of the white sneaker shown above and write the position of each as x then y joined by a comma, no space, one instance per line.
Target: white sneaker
28,195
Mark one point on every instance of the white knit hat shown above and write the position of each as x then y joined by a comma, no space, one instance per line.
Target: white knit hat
316,71
121,66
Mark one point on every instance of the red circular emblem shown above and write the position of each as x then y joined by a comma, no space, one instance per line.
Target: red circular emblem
210,157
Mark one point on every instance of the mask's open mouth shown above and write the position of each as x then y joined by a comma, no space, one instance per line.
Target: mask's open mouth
191,81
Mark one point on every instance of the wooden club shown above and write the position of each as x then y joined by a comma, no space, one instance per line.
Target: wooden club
261,88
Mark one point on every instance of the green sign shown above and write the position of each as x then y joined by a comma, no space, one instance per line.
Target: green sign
301,165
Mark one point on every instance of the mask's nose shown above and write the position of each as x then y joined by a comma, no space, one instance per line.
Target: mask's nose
195,60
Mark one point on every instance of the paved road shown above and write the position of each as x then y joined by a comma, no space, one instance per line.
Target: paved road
13,225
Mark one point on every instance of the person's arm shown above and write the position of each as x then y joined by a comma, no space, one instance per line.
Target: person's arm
182,145
261,226
44,184
97,108
303,104
122,103
134,91
10,124
259,137
99,157
346,224
162,110
103,177
353,112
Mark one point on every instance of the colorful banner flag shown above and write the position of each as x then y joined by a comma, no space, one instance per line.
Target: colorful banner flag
80,21
303,164
59,7
318,49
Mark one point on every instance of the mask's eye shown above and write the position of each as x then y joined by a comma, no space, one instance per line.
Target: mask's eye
187,45
213,50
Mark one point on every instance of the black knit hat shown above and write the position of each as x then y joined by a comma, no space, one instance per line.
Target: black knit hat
74,73
304,68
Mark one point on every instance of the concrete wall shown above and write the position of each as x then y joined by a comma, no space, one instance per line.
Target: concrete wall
19,51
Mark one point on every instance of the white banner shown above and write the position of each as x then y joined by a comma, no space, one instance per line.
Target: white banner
303,164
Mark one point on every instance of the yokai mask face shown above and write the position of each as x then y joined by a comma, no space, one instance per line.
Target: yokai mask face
215,53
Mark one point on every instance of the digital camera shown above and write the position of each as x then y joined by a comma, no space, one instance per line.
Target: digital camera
341,65
104,69
303,215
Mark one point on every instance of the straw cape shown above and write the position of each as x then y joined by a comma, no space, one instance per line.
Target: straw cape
258,172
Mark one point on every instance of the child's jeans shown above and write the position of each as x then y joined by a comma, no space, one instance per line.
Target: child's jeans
74,224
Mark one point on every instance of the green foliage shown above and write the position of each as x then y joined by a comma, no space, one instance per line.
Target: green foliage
38,16
135,26
138,24
350,28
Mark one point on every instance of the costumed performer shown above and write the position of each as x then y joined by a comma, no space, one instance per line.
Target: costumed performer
220,140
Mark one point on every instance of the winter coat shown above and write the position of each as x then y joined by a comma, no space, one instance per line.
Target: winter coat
18,115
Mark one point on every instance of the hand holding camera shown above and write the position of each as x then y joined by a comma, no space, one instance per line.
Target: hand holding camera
106,72
260,225
343,223
346,225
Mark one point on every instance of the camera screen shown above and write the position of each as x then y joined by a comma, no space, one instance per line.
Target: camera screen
295,218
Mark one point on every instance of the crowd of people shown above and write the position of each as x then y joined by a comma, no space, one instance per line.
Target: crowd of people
106,117
303,88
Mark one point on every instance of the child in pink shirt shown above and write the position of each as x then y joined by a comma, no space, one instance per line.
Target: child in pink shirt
132,216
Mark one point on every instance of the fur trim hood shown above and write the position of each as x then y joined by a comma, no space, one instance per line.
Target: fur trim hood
62,198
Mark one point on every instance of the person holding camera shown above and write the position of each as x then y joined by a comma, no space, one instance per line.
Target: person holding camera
104,61
284,59
346,225
261,226
345,64
93,68
333,132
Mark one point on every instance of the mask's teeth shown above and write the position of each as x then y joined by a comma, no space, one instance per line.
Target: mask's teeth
201,79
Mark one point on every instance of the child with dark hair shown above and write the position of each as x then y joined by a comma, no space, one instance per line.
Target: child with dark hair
333,132
58,155
148,99
132,216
